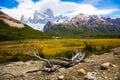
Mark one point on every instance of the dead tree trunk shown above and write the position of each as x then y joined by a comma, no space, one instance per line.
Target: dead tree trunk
47,65
50,65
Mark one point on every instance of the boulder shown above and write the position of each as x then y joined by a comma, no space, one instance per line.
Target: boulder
89,61
90,76
61,69
61,77
20,63
27,63
105,66
113,65
81,71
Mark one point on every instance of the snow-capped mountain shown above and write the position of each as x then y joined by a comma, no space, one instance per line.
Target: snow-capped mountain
89,20
39,20
61,19
84,25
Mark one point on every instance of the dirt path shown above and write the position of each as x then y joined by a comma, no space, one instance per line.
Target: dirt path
90,65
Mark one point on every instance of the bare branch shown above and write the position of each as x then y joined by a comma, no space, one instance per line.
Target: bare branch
75,56
78,57
40,58
50,65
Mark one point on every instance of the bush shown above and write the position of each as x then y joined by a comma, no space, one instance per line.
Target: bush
66,54
106,49
9,57
89,49
40,52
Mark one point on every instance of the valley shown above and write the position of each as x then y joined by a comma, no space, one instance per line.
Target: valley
59,40
49,48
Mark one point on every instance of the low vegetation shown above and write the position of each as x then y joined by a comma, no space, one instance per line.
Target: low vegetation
49,48
13,33
72,31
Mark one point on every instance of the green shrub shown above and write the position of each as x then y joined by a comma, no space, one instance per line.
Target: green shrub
107,48
14,58
89,49
9,57
40,52
66,54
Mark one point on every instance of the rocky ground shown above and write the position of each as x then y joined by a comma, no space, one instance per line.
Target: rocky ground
96,67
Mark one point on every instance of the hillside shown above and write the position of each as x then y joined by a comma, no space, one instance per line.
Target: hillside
69,30
11,29
84,25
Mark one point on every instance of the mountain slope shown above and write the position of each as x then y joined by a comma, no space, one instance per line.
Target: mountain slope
114,21
10,21
84,26
12,31
83,31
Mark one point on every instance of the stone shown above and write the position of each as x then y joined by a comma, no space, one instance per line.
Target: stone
32,62
113,65
81,71
89,61
61,77
90,76
20,63
27,63
105,66
116,53
61,69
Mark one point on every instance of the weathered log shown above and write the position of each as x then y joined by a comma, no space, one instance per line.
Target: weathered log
49,65
47,62
78,57
62,63
62,58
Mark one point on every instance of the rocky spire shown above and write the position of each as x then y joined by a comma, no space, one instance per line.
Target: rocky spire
22,19
49,13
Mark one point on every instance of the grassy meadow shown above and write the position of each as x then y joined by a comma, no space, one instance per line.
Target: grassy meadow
50,47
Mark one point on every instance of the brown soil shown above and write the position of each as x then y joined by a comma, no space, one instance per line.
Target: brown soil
91,64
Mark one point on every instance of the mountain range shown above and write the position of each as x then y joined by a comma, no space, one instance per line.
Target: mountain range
12,29
80,26
39,20
114,21
84,25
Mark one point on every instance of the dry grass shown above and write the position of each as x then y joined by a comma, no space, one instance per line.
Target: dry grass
53,46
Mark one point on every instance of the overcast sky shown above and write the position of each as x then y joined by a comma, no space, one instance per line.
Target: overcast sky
16,8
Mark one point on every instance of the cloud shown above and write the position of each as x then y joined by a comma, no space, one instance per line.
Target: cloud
28,7
93,2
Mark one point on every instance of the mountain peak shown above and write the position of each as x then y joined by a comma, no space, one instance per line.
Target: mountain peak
89,20
114,21
40,19
49,13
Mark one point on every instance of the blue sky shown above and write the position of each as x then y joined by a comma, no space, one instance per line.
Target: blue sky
93,7
103,3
